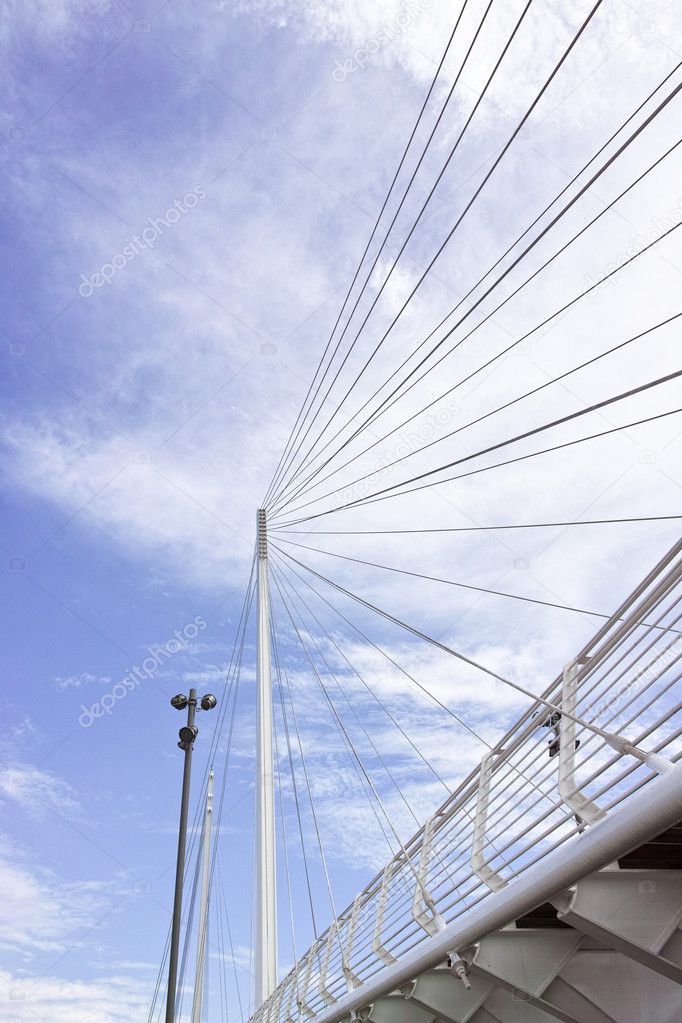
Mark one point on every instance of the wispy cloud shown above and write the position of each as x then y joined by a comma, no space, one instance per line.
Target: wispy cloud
44,913
36,791
81,679
110,999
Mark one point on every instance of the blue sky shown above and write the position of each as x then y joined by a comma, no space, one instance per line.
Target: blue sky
147,400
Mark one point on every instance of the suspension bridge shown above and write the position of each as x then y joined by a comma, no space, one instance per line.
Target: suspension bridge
527,860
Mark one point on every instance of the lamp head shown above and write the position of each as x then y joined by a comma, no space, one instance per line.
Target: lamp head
188,734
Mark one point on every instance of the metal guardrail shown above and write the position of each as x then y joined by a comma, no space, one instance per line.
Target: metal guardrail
619,723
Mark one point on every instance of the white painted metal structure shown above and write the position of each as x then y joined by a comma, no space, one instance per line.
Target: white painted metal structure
521,831
265,920
200,972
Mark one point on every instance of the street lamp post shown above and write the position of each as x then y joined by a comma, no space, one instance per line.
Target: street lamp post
188,734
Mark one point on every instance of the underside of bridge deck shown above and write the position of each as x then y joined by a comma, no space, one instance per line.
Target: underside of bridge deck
608,950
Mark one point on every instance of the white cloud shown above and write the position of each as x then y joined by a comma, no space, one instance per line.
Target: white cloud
56,18
411,34
80,679
241,959
218,673
18,735
155,504
156,496
112,999
42,913
137,965
36,790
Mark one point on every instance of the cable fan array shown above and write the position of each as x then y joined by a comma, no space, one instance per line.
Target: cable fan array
502,371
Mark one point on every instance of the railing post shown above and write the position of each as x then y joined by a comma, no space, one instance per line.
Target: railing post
386,957
325,993
293,991
483,870
582,807
303,1007
352,980
423,907
275,1004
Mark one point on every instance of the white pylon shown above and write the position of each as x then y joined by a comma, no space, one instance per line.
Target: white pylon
203,908
265,937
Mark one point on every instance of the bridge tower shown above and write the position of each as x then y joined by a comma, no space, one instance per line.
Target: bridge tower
265,937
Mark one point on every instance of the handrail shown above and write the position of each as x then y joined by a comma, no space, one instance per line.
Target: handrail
391,914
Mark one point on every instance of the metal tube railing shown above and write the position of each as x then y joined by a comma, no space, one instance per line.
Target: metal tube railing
456,855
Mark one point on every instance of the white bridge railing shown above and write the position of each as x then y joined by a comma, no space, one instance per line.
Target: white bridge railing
620,723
